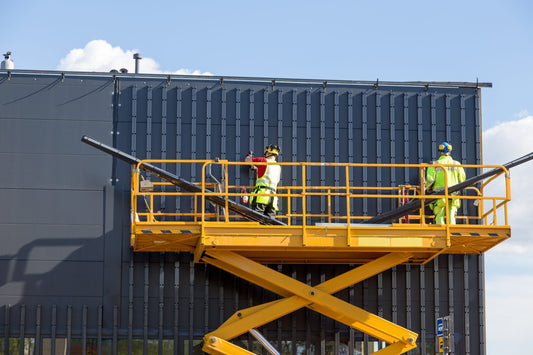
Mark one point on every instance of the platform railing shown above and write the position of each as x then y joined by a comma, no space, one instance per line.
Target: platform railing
349,202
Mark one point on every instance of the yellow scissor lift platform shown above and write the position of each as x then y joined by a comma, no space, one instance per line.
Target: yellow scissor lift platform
241,247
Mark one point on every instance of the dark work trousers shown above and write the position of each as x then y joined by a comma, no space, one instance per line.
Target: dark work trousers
266,209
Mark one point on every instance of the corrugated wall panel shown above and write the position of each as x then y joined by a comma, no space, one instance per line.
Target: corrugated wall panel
68,271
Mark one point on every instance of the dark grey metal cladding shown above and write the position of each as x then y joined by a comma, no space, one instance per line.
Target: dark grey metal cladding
292,113
64,220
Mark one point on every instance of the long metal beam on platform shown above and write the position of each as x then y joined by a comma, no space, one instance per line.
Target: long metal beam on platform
241,210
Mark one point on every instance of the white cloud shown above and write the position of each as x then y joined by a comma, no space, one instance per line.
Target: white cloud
508,305
509,280
100,56
507,141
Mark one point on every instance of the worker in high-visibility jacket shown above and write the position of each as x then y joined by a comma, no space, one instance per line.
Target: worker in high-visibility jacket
267,181
435,181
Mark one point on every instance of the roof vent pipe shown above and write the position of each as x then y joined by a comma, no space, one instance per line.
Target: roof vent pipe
7,63
137,57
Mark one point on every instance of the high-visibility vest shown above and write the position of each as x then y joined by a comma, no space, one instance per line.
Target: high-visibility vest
454,174
267,184
435,175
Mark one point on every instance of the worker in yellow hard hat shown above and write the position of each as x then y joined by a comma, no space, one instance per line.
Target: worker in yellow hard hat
267,181
436,181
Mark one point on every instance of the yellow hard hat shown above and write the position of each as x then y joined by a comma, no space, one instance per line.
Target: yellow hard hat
272,149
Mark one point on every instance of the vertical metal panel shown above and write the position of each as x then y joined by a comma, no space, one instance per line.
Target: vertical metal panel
481,305
208,123
179,136
322,120
336,140
420,130
7,310
69,329
177,341
194,132
251,110
265,118
53,330
379,143
422,306
448,118
84,330
380,295
394,295
161,302
466,303
436,295
134,120
294,141
323,321
364,148
392,123
238,130
280,119
223,125
163,139
436,287
406,151
99,329
164,120
408,297
350,119
308,136
22,328
477,125
206,300
192,301
38,330
114,344
463,129
130,304
451,301
350,129
149,123
146,306
433,126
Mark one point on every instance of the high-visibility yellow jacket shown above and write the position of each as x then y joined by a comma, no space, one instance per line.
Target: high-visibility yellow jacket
267,181
435,175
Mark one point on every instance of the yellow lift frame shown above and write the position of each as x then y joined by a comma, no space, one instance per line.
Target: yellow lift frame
240,247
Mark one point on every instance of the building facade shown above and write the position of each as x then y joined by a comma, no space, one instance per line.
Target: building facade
69,281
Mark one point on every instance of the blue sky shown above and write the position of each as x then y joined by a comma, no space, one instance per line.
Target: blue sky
489,41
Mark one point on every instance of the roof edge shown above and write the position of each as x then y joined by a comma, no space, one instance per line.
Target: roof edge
324,82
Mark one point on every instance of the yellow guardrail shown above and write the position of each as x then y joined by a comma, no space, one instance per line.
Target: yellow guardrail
307,202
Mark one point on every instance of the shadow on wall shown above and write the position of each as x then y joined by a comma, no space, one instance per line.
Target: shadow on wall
34,274
52,269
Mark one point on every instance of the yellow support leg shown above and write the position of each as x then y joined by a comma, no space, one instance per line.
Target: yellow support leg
318,298
217,346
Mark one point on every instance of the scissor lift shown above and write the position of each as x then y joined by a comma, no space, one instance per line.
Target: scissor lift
241,247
